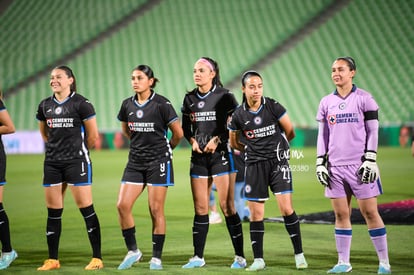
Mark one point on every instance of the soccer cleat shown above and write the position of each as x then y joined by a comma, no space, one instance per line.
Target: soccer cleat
7,258
300,261
341,267
155,264
195,262
94,264
50,264
214,218
258,264
384,269
239,262
130,258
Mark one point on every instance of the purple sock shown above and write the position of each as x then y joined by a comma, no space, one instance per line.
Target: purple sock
343,237
379,239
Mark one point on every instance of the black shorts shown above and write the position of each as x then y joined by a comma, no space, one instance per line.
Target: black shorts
264,174
154,173
73,172
2,167
211,165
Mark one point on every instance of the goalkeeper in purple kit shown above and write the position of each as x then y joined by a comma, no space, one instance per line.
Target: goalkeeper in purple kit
346,162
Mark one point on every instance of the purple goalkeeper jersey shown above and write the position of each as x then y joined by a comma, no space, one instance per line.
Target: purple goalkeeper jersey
345,136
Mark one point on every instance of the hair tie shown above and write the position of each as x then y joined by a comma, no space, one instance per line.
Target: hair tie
208,63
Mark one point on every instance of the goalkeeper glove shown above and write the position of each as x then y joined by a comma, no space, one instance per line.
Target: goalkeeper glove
368,171
321,171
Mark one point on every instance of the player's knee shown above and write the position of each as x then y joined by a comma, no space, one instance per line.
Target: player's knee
342,216
370,215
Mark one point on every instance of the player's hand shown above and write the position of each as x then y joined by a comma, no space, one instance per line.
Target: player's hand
212,145
368,171
196,147
322,171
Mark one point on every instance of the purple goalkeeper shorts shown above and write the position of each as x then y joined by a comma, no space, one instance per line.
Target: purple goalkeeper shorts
344,182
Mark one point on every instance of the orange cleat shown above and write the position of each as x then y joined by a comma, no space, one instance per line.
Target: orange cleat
50,264
94,264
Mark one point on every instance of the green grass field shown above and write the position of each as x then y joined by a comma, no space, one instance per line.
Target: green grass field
24,203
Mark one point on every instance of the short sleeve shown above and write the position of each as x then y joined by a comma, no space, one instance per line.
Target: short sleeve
39,114
86,110
122,114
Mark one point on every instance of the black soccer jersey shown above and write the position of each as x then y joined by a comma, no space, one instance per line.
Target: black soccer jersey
261,132
64,120
148,124
205,115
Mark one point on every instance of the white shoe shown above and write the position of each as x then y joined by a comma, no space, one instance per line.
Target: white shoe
214,218
258,264
155,264
300,261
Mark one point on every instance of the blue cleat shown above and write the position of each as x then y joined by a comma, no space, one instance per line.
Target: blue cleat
130,258
7,258
341,267
239,262
195,262
384,269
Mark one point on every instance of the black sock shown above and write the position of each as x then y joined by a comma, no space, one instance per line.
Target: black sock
235,229
93,228
4,230
157,245
129,238
200,230
256,237
53,230
293,228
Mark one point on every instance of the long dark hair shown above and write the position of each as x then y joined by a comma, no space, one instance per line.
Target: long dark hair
69,73
148,72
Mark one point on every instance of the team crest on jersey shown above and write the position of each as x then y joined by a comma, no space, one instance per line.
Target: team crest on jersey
332,119
257,120
247,188
58,110
140,114
342,106
201,104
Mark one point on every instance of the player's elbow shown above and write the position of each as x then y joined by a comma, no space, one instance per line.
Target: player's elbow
290,135
10,129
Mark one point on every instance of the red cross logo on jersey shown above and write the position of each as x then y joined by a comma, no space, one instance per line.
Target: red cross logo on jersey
249,134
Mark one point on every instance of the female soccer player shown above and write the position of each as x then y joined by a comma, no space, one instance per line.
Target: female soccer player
206,110
67,123
346,161
8,254
145,120
266,130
